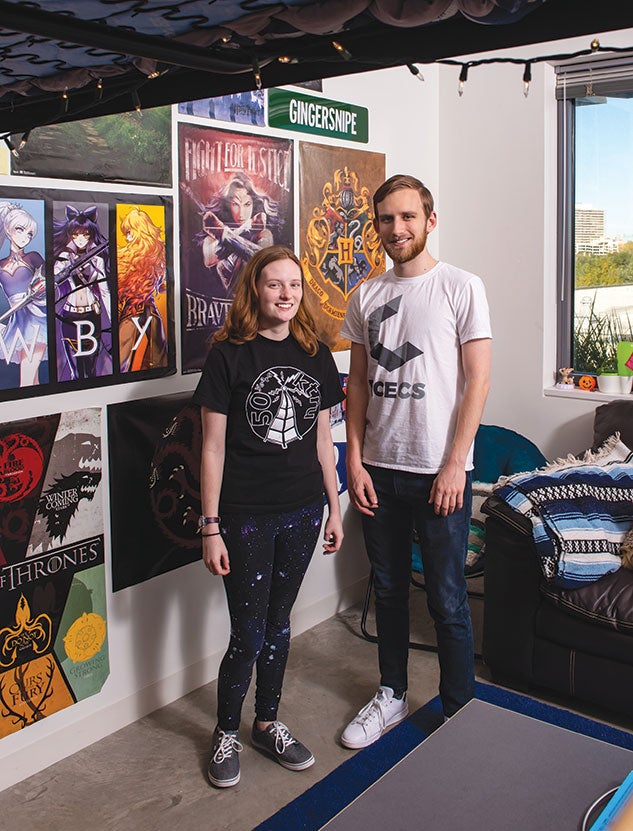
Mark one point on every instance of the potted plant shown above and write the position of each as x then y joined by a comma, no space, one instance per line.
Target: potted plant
597,340
608,378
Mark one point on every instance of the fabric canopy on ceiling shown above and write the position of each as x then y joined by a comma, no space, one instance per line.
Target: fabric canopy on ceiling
66,59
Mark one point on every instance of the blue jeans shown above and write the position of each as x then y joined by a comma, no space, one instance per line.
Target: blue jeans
402,505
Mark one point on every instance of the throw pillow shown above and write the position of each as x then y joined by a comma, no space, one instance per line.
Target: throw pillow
611,418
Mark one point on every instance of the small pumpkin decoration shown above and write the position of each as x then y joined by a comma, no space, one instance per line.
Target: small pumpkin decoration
587,383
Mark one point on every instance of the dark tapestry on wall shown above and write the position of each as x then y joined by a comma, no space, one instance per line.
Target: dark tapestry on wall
87,291
235,198
154,447
53,631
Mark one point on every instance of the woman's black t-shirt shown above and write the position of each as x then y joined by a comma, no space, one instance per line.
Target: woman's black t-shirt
271,392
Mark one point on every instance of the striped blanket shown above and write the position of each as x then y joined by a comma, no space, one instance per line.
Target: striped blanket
579,514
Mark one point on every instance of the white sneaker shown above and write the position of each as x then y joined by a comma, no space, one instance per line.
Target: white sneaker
372,721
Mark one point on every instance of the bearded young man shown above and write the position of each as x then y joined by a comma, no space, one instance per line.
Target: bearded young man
418,381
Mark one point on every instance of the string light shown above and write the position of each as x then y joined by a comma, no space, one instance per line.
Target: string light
415,71
594,47
342,50
527,77
257,73
155,74
24,140
463,77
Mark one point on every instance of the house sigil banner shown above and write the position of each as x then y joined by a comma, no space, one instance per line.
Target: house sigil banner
53,630
155,447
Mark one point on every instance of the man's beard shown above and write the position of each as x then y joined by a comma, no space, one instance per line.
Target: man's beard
416,246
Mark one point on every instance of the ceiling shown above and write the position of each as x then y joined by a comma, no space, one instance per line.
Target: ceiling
61,60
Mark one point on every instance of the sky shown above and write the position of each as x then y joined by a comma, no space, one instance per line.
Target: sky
604,162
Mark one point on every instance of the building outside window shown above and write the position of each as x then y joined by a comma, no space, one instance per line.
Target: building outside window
595,257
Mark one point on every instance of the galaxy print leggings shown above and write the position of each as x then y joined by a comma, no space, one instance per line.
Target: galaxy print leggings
269,555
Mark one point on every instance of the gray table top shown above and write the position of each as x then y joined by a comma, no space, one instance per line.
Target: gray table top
491,769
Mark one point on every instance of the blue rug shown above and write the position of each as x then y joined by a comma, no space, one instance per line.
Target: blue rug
322,801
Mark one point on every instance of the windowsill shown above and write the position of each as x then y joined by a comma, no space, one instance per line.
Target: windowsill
582,395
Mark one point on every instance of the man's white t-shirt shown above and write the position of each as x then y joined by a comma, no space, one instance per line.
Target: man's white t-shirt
412,329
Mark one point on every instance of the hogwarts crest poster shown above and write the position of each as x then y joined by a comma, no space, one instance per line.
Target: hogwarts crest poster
53,634
340,248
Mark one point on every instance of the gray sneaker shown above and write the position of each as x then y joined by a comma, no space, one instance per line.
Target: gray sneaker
277,742
224,766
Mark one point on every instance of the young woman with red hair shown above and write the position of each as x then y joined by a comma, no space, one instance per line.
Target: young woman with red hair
267,459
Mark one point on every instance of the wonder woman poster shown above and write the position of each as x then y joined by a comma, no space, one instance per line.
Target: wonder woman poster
235,198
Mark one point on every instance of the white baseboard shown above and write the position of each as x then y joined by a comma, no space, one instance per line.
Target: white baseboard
97,724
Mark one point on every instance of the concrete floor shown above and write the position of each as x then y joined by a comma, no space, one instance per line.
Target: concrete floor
151,776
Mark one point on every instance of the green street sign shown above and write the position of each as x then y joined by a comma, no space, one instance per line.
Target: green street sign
308,114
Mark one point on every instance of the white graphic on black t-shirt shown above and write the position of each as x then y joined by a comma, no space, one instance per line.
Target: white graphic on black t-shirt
283,405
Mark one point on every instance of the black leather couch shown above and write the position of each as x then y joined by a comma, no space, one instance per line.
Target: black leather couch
576,642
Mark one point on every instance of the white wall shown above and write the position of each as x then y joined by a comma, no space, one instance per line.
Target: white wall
497,215
167,635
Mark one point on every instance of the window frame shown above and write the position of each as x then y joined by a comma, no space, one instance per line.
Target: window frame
566,230
573,80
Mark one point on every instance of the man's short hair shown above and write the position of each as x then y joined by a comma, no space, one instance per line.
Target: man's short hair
399,182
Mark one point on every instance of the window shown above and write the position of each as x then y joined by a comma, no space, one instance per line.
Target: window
595,255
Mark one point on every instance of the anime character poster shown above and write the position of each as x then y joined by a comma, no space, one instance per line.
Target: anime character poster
130,147
23,322
155,446
339,245
235,198
83,306
141,287
238,108
53,630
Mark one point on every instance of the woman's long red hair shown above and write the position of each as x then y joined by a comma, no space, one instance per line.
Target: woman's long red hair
242,320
